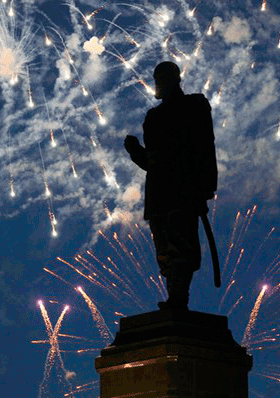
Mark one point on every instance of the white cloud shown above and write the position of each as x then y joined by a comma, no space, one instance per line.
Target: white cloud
73,42
236,31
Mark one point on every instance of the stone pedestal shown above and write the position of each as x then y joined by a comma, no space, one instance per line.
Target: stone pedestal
174,353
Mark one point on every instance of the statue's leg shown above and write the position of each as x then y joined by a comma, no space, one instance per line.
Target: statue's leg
178,285
158,226
178,253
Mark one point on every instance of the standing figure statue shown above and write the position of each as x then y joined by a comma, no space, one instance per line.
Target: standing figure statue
179,157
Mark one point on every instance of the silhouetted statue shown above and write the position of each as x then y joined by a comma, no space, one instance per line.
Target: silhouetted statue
179,157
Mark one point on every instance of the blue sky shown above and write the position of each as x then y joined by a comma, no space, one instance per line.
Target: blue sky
72,87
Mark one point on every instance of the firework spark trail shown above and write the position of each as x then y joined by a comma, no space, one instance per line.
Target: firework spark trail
113,263
70,156
52,218
231,245
145,239
58,277
260,247
122,275
129,254
46,318
12,187
164,290
30,103
246,341
254,341
214,209
82,351
53,141
275,289
232,282
104,331
210,29
40,341
237,262
126,33
61,55
160,287
147,265
107,281
264,5
86,264
76,9
276,377
86,92
16,51
131,290
241,235
48,194
83,388
234,306
47,189
108,171
190,17
274,265
139,268
246,225
270,298
140,247
96,259
54,350
137,247
89,278
69,336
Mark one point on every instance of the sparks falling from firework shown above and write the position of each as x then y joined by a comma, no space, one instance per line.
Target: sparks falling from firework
264,5
54,350
102,119
198,49
277,135
231,244
253,318
94,13
149,89
97,317
207,84
46,318
15,53
12,187
53,141
47,188
210,30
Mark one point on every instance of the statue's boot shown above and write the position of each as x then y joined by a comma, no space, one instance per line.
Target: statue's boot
178,285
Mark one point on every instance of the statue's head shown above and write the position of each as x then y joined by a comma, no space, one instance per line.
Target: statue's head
167,77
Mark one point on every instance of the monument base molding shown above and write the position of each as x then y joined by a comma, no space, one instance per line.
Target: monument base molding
174,353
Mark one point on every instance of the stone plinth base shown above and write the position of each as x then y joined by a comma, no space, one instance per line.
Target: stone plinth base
174,353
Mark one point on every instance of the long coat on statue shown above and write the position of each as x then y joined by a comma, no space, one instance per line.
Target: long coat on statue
179,154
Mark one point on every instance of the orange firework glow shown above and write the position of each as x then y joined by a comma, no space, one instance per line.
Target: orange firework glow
53,340
97,317
253,318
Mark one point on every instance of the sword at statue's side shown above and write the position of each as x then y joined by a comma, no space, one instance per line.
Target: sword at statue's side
213,249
